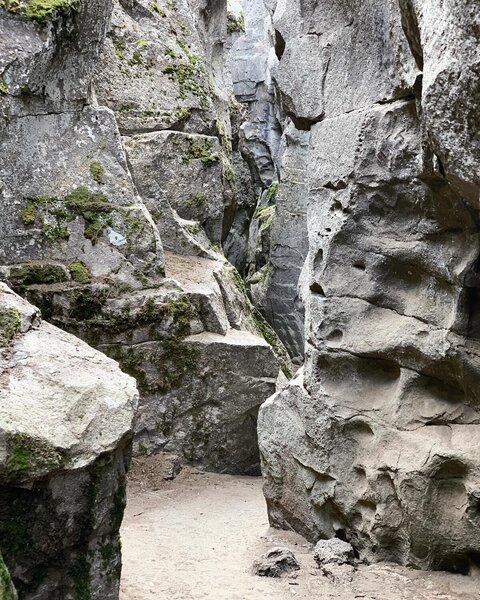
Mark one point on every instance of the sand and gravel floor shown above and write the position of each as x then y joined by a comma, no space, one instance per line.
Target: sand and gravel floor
195,538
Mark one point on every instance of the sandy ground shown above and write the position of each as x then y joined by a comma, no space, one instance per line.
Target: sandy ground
197,536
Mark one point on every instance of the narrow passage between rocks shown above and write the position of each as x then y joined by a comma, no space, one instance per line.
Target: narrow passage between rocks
197,536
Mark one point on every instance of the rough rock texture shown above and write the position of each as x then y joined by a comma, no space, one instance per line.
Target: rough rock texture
375,441
333,551
66,416
197,347
84,209
275,563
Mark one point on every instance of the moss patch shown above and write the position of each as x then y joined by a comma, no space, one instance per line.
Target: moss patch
94,207
272,191
6,587
196,200
155,7
42,10
79,272
3,87
9,325
27,456
27,214
262,328
31,274
235,24
97,172
201,150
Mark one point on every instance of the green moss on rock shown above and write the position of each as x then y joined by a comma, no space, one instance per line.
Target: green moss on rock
272,191
7,591
42,10
79,272
201,150
27,214
9,325
28,456
235,24
32,274
196,200
97,172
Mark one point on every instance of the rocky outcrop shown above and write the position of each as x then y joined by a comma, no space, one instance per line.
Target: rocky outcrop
87,204
66,415
374,442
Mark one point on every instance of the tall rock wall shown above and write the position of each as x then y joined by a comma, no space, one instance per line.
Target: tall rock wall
116,147
376,439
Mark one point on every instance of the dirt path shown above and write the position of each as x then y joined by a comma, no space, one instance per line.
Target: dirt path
196,537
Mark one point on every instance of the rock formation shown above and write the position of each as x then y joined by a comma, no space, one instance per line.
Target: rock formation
376,440
87,203
333,156
66,415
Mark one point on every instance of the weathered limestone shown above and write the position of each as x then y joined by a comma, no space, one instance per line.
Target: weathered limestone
374,442
66,415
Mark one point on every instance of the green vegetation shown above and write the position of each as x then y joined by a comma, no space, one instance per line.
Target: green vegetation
189,75
266,215
118,46
6,587
41,10
27,455
202,150
182,113
262,328
3,88
80,272
34,274
94,207
9,325
155,7
272,191
97,172
54,233
228,172
235,24
224,135
196,200
136,59
27,214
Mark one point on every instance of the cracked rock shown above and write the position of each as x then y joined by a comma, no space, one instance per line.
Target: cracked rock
276,562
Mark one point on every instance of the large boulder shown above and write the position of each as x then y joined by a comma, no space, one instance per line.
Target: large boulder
375,440
66,415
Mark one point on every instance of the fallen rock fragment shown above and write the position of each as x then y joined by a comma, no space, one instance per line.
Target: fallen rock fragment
334,551
276,562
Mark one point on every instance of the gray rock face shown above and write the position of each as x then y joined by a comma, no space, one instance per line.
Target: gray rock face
276,563
159,47
375,438
66,415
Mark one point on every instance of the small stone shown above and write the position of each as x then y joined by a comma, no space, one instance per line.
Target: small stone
275,563
333,551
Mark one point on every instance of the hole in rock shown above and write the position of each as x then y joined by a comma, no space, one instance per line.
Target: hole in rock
360,265
279,44
316,288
